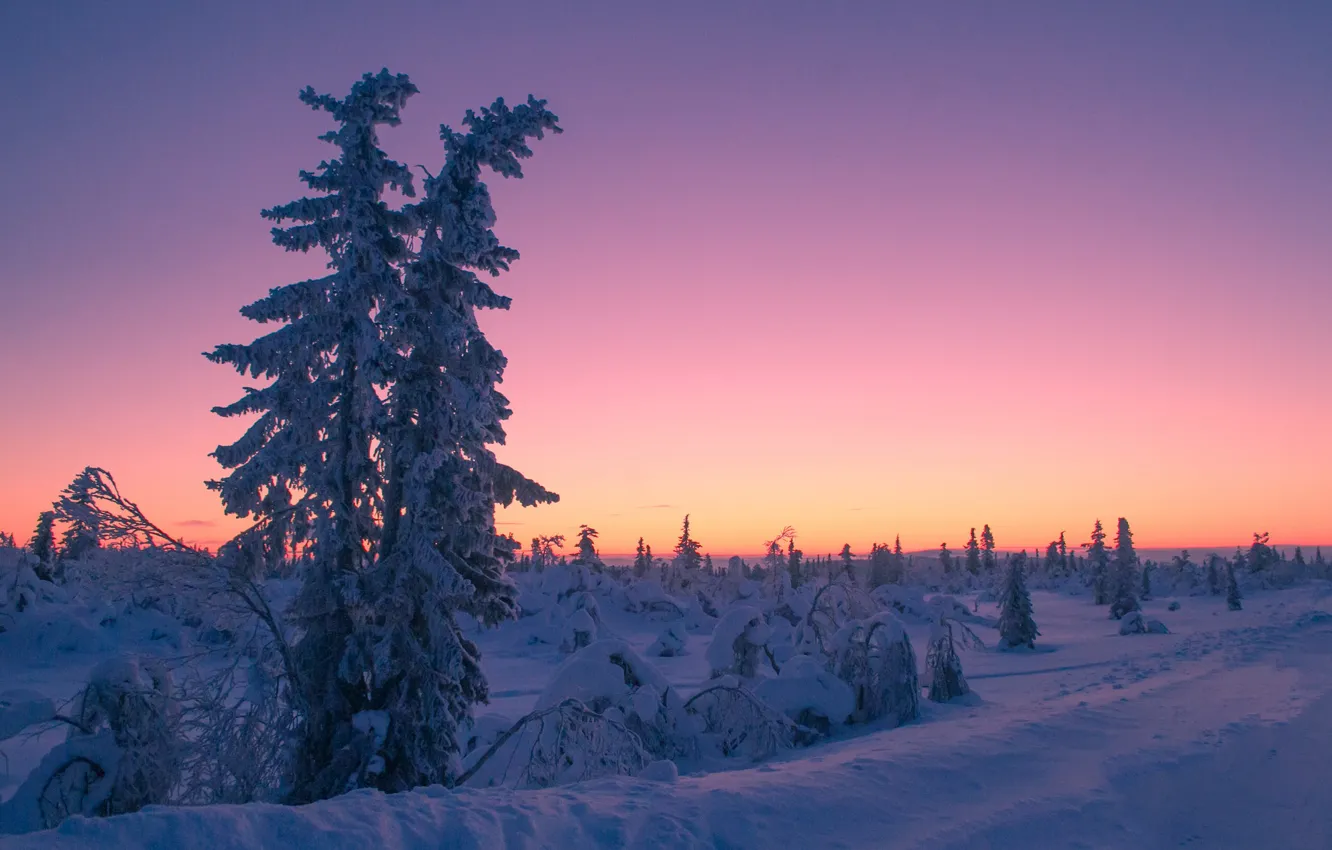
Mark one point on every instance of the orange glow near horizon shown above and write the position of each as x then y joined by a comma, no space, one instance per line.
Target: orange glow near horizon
902,275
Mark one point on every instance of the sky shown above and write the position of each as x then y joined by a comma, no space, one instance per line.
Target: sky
866,269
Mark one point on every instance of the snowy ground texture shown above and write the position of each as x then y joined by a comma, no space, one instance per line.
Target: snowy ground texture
1217,735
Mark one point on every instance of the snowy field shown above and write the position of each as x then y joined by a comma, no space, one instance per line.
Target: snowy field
1217,735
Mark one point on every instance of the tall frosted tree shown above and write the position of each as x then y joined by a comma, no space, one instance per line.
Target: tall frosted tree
988,560
440,552
379,412
43,544
973,558
687,555
1099,561
1234,599
642,560
1123,573
1016,626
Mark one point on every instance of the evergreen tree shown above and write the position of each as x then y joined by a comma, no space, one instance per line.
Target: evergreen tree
1016,626
988,560
587,548
381,411
847,558
1099,561
1124,585
973,555
43,544
707,563
1261,554
1298,558
687,549
1214,574
1233,597
793,559
1054,562
945,559
1147,579
642,561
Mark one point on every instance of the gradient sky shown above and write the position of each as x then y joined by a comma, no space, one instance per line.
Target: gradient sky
865,269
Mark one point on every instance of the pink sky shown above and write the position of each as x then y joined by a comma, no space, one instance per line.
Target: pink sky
867,274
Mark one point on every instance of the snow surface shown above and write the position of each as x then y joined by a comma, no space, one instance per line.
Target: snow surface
1217,735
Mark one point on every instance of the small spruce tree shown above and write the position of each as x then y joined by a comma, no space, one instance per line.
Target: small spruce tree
1124,585
687,549
1233,597
43,544
973,555
988,559
847,558
642,561
1016,626
1099,562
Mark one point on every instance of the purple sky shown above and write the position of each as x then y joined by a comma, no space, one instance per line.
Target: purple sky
863,268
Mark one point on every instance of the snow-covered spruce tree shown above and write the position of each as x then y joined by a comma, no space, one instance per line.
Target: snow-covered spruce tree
43,545
380,405
1233,597
587,548
1016,626
687,555
642,561
794,561
323,413
440,553
847,569
989,561
1099,561
1123,573
973,558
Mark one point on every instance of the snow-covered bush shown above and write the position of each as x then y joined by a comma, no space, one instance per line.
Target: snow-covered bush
610,678
874,656
738,724
558,745
944,665
808,693
737,643
1133,624
135,702
670,643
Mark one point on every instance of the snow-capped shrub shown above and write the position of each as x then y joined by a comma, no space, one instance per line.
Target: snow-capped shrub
647,596
661,770
874,656
136,705
1173,606
1132,624
944,665
20,587
558,745
809,694
610,678
1156,627
77,777
737,643
736,723
670,643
